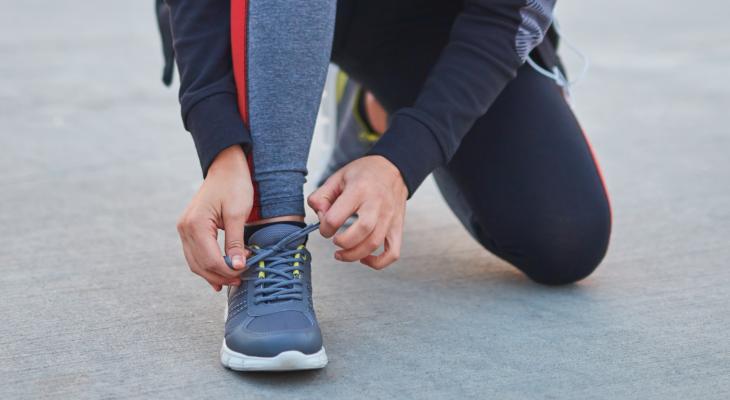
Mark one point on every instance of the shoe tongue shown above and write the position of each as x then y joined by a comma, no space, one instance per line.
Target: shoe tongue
270,235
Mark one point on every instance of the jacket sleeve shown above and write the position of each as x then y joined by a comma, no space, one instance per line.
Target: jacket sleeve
489,41
202,44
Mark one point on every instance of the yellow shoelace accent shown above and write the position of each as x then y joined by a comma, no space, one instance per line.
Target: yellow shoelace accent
262,274
296,272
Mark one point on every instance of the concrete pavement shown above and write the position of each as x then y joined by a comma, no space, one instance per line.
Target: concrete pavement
96,300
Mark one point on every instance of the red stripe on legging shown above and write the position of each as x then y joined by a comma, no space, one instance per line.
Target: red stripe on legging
239,50
600,174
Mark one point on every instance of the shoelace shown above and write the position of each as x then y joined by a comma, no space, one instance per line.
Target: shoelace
276,265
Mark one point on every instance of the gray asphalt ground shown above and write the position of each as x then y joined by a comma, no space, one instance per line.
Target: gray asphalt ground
96,300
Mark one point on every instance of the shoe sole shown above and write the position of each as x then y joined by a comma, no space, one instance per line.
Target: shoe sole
285,361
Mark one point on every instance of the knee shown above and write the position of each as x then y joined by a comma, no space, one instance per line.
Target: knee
567,251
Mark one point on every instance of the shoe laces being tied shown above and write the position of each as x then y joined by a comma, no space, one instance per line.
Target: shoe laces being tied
278,267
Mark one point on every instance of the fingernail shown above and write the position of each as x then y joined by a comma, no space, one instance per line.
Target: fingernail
338,257
238,262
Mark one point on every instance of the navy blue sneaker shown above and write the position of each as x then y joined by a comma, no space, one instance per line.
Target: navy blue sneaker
271,325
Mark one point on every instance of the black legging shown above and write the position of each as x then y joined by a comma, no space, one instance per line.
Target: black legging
524,182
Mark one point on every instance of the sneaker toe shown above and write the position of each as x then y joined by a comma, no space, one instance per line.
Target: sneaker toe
272,334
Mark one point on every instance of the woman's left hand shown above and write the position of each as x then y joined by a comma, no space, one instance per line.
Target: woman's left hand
373,188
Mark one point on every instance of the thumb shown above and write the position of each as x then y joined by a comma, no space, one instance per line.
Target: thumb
234,225
321,200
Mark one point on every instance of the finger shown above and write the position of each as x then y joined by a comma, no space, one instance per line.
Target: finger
214,278
182,226
391,253
207,253
344,206
233,224
215,281
189,258
366,247
321,200
192,263
364,226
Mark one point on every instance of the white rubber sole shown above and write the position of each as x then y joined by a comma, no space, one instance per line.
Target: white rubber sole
285,361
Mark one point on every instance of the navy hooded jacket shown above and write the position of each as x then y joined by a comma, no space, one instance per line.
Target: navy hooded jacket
489,41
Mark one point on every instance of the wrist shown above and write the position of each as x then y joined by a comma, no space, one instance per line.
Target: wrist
229,159
392,171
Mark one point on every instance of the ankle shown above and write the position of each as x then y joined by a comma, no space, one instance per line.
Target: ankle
252,228
283,218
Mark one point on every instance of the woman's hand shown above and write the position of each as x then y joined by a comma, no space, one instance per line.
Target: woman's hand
224,202
373,188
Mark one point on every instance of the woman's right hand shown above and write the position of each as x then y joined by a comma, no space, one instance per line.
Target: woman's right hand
223,201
